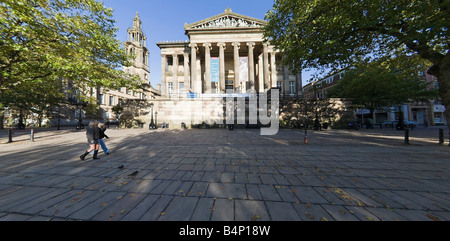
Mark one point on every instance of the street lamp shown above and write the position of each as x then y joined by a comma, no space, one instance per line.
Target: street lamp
152,123
80,121
306,122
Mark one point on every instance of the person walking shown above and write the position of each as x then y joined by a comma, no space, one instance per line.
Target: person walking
102,129
92,134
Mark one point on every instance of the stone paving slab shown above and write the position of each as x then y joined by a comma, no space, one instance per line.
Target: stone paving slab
222,175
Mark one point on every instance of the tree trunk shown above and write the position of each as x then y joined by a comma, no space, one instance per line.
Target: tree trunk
443,77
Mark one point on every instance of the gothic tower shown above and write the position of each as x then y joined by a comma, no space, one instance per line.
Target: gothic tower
136,45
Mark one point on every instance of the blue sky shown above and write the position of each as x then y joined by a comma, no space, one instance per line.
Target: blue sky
164,20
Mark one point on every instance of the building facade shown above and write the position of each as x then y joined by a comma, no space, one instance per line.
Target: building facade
225,53
430,112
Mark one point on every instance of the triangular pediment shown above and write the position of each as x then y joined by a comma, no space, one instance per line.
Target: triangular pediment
228,19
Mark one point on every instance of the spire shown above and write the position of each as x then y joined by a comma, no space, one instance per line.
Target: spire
137,22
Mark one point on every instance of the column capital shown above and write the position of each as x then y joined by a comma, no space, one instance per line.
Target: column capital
207,45
236,44
221,44
265,45
193,45
250,44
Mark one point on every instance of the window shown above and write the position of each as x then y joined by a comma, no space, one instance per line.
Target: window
436,85
100,99
291,87
181,86
279,85
111,100
170,88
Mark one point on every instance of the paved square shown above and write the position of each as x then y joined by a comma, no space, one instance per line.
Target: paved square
217,174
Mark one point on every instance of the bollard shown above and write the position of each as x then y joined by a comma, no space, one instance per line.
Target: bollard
441,136
32,135
10,135
407,136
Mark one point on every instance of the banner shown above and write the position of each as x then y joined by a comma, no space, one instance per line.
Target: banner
243,69
214,69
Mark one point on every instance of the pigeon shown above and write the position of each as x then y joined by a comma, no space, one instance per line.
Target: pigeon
133,174
121,166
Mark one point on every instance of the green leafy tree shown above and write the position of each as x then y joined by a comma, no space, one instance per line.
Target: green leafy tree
71,39
383,84
336,34
92,110
38,97
118,110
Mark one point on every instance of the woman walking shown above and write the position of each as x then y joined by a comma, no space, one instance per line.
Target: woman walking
102,129
92,134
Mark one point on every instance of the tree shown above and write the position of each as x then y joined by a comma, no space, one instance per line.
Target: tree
39,97
92,110
383,84
71,39
117,110
338,33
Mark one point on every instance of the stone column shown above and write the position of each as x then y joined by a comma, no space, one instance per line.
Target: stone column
207,67
266,65
193,66
237,80
222,66
198,83
187,83
273,68
251,65
175,75
163,75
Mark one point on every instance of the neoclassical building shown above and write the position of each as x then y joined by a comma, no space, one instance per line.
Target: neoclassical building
225,53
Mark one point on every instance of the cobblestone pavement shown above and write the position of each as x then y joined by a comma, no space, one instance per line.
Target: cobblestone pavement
217,174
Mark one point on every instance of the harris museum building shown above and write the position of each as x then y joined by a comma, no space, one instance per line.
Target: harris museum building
225,53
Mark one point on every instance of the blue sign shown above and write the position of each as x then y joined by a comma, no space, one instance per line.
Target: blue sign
214,69
192,95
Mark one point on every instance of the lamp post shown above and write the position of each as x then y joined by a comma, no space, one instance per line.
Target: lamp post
156,119
306,122
80,121
152,123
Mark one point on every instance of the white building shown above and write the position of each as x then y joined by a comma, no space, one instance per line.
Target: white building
225,53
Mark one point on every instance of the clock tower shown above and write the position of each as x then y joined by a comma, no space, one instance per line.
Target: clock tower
136,45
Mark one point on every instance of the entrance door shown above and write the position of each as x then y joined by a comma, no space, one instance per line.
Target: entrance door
419,116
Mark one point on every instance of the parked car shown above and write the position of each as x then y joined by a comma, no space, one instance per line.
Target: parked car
112,122
409,124
388,123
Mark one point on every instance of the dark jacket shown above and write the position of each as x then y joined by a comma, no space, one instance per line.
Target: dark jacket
92,133
102,133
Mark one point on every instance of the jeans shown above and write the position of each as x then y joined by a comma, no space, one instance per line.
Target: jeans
102,144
